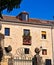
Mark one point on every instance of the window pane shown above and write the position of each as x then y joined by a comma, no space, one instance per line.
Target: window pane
7,31
26,32
43,34
24,17
44,51
26,50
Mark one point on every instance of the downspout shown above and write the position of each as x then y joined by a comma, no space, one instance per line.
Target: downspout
52,43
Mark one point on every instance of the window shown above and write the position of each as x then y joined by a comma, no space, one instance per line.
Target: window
26,37
7,31
26,32
26,50
25,17
44,51
43,34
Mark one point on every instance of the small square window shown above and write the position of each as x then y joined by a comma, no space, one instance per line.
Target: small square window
7,31
26,50
44,51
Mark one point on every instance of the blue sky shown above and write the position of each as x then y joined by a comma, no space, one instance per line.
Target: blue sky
41,9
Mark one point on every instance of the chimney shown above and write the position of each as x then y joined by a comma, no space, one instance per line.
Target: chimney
24,16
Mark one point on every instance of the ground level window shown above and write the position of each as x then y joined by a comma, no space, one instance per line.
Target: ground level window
26,50
44,51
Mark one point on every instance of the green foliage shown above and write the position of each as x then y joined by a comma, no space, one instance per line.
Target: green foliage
9,5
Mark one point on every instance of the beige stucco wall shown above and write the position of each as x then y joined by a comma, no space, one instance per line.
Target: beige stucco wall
16,40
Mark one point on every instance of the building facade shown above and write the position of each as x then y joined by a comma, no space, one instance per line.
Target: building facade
24,34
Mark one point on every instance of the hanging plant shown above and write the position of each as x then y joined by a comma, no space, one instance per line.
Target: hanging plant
27,37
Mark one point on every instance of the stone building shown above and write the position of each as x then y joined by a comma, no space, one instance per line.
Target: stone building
24,34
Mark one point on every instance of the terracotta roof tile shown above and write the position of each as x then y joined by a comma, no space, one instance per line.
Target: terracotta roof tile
31,20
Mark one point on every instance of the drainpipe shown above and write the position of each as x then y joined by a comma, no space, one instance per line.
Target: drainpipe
52,43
